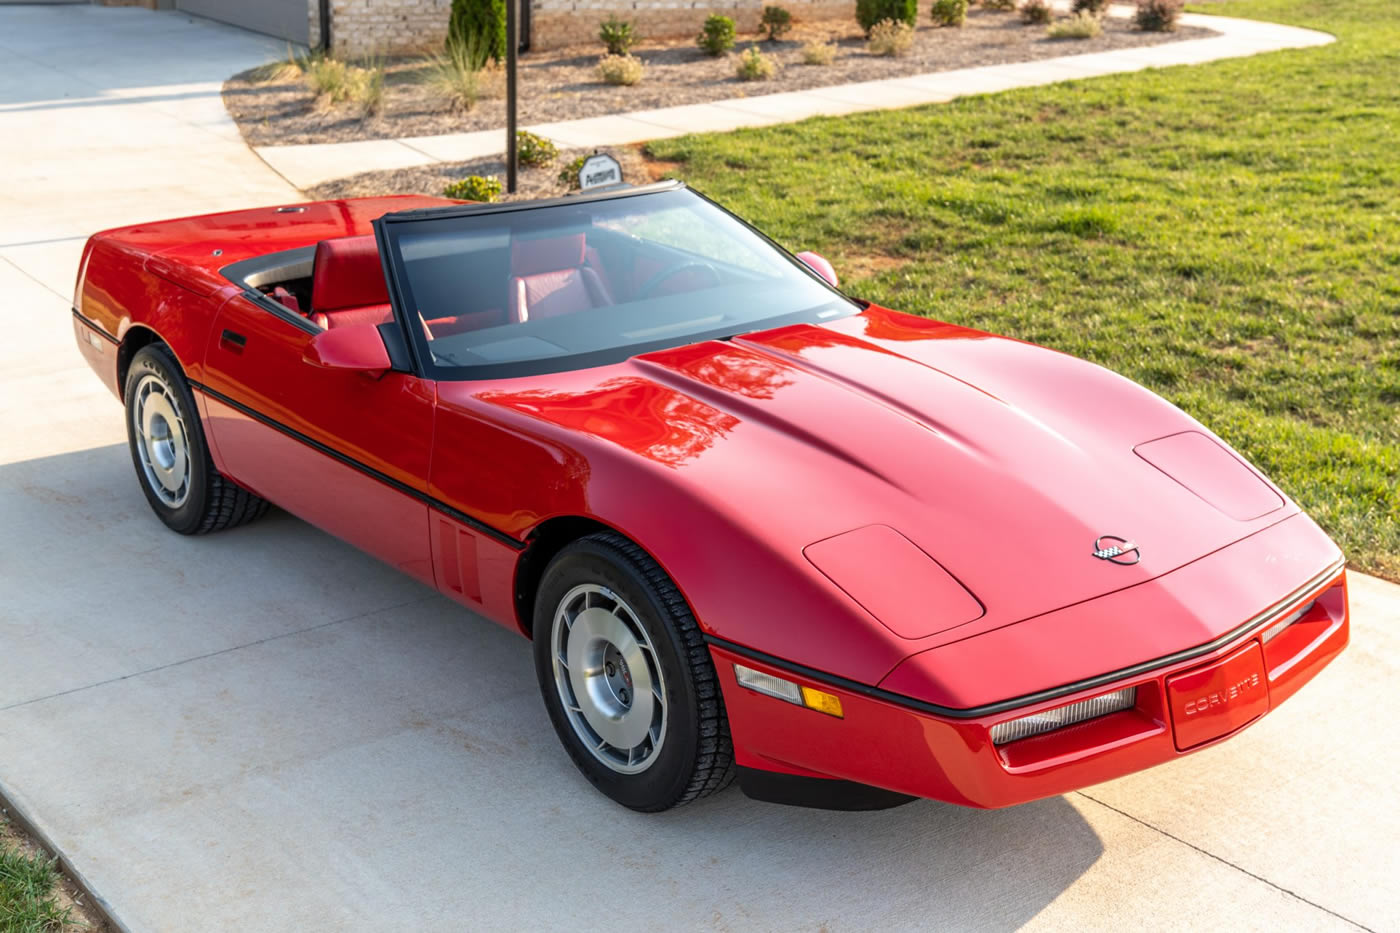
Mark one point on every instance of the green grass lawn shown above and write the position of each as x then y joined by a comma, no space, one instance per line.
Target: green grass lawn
1226,234
28,885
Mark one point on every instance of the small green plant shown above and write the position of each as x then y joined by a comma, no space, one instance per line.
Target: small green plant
716,36
482,22
1003,6
871,12
1082,25
534,151
1036,12
776,22
1157,15
457,76
1097,7
329,80
618,35
474,188
949,12
568,175
620,69
818,53
890,38
753,65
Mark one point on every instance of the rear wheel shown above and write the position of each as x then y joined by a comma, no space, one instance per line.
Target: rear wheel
169,452
626,677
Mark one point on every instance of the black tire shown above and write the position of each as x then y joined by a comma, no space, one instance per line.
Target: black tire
206,501
696,756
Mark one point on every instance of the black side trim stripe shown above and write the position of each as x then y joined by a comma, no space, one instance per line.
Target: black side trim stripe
443,507
101,331
1280,608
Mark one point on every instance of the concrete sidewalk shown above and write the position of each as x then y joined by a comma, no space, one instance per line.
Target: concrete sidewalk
311,164
267,730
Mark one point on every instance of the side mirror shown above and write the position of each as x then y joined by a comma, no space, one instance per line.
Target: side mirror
358,347
818,264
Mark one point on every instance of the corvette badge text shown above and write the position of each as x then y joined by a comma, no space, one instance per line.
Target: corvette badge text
1222,697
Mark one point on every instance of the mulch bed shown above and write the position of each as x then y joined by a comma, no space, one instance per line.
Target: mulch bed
532,183
563,84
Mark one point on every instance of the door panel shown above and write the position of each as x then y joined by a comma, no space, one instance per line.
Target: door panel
341,450
272,17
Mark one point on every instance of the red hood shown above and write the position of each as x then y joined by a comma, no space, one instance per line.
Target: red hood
1002,460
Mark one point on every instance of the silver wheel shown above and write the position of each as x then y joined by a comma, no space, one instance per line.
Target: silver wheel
162,440
608,678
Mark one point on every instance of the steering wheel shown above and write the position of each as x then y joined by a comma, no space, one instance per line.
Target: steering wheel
655,281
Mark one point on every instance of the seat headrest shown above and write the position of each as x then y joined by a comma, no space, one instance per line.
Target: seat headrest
346,273
546,254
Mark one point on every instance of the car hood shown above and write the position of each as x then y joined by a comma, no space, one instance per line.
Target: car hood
1002,461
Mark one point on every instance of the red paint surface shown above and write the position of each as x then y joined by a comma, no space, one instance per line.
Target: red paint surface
1219,698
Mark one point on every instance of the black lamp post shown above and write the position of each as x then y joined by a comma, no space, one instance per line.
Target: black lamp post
512,52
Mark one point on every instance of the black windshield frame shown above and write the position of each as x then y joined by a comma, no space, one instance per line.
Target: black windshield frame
388,228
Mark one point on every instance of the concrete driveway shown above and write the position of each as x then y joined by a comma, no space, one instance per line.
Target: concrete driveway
266,730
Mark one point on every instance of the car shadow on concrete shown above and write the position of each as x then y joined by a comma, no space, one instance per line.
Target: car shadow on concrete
292,729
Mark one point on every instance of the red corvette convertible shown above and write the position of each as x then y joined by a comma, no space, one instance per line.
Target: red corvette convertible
753,527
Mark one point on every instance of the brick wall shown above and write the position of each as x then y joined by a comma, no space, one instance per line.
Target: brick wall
389,26
359,27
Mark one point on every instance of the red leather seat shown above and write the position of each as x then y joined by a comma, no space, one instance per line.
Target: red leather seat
347,283
550,277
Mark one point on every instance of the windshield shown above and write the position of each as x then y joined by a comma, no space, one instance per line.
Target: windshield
506,292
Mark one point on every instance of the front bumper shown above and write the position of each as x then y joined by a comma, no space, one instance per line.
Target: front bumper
903,747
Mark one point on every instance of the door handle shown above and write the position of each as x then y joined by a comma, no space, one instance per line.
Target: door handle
231,340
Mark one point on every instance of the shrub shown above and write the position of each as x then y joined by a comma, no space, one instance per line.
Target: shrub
1097,7
457,75
818,53
568,175
890,38
776,22
365,86
1157,15
1036,12
618,35
871,12
717,35
474,188
620,69
479,21
753,65
1004,6
1082,25
534,150
949,12
328,79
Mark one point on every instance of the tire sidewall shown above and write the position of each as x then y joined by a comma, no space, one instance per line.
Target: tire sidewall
665,781
157,360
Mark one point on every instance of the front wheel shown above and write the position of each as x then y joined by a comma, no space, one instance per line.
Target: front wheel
626,677
169,452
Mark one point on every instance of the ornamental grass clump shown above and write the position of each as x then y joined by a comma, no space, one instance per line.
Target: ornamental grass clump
1157,15
1082,25
617,35
1036,12
474,188
870,13
620,69
458,75
716,36
753,65
818,53
776,22
891,39
949,12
